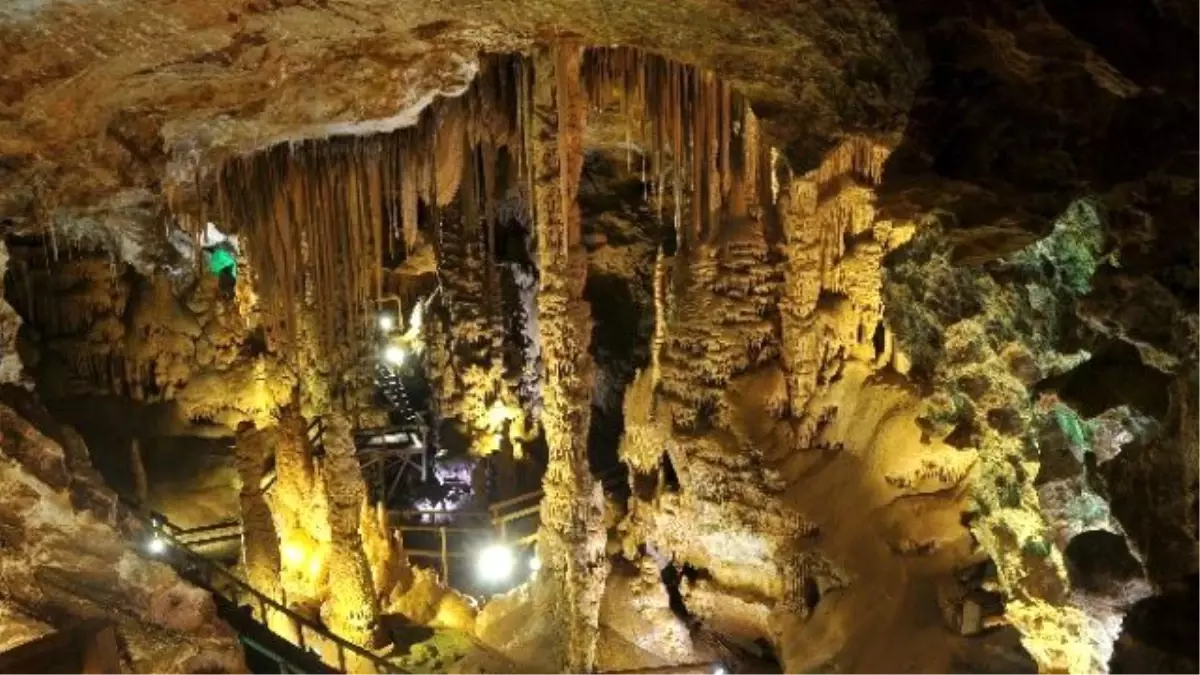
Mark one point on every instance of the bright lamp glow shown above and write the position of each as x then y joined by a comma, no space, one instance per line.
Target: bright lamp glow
535,563
719,670
156,546
293,554
386,323
394,355
495,564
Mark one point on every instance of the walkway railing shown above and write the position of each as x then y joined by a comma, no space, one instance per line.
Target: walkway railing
514,521
220,581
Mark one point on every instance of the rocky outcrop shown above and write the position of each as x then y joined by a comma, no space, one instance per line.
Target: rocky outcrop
65,560
809,436
96,326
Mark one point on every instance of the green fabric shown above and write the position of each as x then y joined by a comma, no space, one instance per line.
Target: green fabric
220,259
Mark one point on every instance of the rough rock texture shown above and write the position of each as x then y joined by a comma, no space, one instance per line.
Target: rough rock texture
64,560
11,371
794,456
638,627
260,543
96,326
572,536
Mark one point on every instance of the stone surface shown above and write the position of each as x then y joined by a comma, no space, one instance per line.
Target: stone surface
942,313
63,563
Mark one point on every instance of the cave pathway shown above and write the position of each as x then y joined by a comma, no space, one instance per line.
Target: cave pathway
249,611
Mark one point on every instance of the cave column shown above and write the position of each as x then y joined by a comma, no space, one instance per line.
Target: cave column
352,609
260,543
141,485
571,542
291,502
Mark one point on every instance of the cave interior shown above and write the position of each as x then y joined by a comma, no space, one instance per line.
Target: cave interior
599,336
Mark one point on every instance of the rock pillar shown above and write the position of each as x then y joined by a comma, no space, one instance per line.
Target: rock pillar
572,536
260,542
351,610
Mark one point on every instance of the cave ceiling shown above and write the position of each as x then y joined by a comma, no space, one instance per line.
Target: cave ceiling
998,113
936,214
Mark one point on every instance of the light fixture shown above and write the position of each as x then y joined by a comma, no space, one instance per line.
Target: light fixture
495,563
535,563
386,323
719,669
156,546
394,355
292,553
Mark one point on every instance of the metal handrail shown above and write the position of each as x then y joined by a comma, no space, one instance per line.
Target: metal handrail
301,622
208,569
219,525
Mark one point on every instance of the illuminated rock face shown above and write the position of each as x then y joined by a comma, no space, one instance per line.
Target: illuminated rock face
572,536
65,560
105,329
352,610
868,428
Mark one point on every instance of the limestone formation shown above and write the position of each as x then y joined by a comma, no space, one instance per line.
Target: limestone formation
838,336
571,537
72,562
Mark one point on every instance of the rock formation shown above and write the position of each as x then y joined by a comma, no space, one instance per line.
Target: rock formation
67,559
883,313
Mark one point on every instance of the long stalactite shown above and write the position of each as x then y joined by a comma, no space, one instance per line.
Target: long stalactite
317,216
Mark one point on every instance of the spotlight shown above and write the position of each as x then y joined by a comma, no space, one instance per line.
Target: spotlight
535,563
394,355
156,546
293,554
719,669
495,564
386,323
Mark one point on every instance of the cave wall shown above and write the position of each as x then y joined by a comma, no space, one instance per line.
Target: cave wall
68,556
997,120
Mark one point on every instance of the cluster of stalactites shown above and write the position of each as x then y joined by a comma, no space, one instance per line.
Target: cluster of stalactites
695,129
317,216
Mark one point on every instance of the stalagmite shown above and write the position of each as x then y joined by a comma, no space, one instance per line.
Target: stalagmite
140,485
572,536
820,212
352,610
260,542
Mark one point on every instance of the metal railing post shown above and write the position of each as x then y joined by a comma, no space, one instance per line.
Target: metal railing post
445,559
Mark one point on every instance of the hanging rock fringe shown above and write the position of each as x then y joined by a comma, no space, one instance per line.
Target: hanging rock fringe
318,216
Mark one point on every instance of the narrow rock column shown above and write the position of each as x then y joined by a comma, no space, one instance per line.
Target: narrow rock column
352,610
297,514
260,542
141,486
572,536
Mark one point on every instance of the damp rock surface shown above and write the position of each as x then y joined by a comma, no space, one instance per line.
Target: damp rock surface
838,336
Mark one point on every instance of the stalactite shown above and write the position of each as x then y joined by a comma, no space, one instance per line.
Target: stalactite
687,121
318,215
